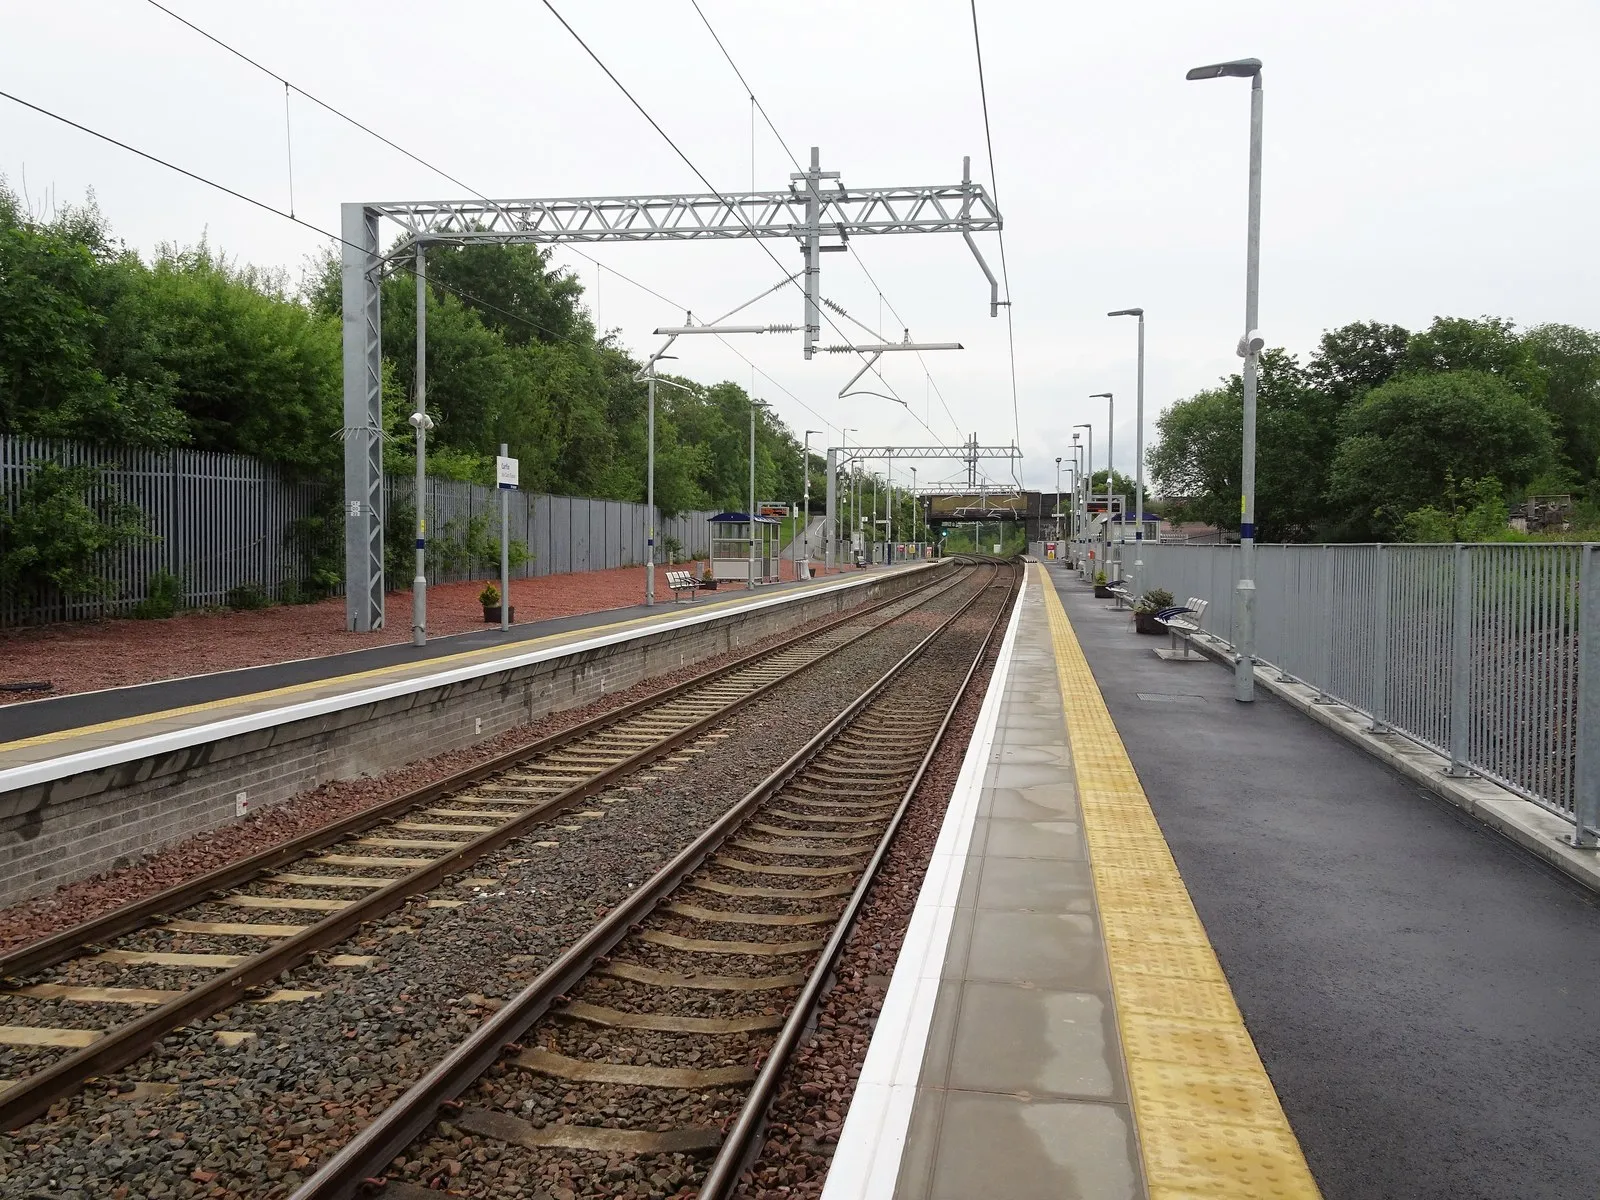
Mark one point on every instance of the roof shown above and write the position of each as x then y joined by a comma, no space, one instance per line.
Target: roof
733,518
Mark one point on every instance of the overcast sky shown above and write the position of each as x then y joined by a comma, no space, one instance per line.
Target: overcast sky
1421,159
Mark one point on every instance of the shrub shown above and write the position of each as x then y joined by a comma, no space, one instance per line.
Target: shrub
246,597
490,596
58,529
1154,601
1099,579
163,596
673,547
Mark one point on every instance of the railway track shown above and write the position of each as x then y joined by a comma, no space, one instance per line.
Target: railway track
226,936
642,1061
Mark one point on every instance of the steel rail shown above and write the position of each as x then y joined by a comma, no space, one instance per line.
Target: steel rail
32,1095
357,1166
745,1137
61,946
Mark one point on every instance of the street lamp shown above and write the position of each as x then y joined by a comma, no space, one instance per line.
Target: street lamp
913,506
1088,487
805,506
1058,500
421,422
650,476
1244,678
1138,466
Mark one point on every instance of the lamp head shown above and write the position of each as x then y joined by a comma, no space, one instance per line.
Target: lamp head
1239,68
1100,395
421,421
1127,312
1250,343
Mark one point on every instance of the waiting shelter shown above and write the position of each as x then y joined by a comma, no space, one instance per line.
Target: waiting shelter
744,548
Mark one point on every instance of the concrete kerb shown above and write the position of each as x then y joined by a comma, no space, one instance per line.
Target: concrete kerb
1535,829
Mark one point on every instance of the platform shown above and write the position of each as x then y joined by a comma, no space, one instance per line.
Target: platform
1057,1026
1412,983
43,730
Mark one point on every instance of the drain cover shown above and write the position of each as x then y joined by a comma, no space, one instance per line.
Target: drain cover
1170,698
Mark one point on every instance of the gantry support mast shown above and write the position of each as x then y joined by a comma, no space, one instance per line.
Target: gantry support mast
815,206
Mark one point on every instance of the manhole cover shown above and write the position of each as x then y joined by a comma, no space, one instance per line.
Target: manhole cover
1170,698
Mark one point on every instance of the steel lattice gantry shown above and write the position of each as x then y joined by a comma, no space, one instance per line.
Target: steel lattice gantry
814,206
968,452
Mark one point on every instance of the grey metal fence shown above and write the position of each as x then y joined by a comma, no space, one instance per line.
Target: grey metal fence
218,521
1488,654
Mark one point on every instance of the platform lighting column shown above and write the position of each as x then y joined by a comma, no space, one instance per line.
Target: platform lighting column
1112,561
1249,349
1088,495
650,493
805,503
1138,466
752,514
913,507
421,422
1058,501
888,509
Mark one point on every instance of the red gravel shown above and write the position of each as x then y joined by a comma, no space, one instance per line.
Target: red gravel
805,1119
83,656
88,898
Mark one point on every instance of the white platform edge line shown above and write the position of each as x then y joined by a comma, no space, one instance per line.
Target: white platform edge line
866,1161
179,739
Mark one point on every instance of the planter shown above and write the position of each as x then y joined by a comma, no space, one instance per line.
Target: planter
491,616
1147,623
708,585
1102,592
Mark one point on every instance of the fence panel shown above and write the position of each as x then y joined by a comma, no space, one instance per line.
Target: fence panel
1371,627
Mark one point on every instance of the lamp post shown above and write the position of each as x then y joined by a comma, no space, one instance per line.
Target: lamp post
1088,487
1138,465
421,422
1244,678
650,475
1111,473
1058,500
913,506
805,505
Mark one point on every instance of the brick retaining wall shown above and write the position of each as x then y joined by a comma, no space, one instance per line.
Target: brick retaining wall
57,832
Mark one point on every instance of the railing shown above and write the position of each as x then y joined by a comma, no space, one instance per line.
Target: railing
1488,654
219,521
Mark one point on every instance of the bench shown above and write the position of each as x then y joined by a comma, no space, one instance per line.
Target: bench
682,581
1119,592
1183,621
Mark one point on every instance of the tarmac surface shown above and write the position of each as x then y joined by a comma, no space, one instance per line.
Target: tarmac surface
1424,994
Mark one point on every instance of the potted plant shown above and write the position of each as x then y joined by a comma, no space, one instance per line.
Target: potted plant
1101,591
708,581
490,599
1144,613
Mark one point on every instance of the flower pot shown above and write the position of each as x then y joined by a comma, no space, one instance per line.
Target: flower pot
491,616
1102,592
708,585
1144,622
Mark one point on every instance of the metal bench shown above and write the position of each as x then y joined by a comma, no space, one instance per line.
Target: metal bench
1119,592
1182,621
682,581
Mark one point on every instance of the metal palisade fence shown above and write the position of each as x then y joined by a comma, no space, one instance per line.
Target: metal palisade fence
221,521
1488,654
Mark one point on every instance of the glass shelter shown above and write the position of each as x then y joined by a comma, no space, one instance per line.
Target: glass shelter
744,548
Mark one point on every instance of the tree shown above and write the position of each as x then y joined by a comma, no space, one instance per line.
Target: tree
54,535
1570,360
1355,358
1489,345
1407,441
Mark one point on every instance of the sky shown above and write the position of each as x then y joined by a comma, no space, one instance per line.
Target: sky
1421,159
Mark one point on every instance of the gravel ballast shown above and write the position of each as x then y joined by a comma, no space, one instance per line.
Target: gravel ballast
254,1117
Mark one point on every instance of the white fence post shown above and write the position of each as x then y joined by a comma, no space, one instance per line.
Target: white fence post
1586,768
1461,668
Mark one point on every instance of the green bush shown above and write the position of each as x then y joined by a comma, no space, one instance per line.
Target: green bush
57,531
246,597
163,597
1154,601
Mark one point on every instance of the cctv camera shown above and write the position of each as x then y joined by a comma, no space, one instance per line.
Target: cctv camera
1251,343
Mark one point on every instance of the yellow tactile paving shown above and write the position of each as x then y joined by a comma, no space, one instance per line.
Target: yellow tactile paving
425,666
1208,1120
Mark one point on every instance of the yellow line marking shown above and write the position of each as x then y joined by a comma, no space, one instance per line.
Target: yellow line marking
444,662
1209,1122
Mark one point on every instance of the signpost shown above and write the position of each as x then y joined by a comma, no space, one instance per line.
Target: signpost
505,477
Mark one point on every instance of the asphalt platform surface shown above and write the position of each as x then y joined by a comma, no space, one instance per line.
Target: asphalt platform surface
1424,994
80,709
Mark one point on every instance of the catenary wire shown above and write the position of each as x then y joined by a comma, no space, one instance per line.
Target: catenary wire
855,253
444,174
1005,273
